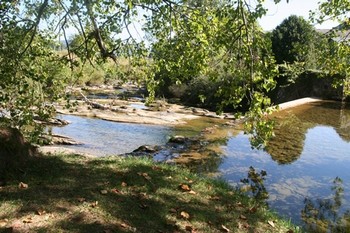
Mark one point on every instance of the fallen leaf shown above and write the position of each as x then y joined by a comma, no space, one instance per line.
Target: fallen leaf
242,217
143,206
81,199
103,192
156,168
192,192
3,222
225,229
189,180
143,196
185,215
172,210
40,212
239,204
190,229
215,198
243,225
28,220
115,191
124,225
253,209
271,223
22,185
144,175
124,184
94,204
185,187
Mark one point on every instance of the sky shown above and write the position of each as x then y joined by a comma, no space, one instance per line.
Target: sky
278,12
275,15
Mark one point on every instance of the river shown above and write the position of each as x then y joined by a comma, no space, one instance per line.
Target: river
307,165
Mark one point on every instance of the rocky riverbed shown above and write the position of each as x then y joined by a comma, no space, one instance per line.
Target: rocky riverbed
126,110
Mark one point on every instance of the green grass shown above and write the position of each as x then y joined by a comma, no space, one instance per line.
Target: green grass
69,193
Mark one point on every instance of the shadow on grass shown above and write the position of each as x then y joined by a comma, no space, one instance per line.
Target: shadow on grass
77,194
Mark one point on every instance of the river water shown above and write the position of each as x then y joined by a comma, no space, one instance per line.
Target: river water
307,164
102,138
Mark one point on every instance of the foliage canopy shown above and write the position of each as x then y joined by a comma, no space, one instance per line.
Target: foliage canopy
292,40
219,40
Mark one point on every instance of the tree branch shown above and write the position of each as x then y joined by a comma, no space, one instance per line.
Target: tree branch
36,24
97,33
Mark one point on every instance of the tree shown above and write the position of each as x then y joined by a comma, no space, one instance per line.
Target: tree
223,43
337,57
29,78
202,36
293,40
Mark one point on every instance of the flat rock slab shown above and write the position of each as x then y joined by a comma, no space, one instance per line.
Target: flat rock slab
171,116
295,103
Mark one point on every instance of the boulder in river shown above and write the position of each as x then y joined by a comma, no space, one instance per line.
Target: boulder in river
147,149
178,139
58,122
56,139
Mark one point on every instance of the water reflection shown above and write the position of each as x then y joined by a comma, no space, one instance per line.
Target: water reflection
325,215
318,215
205,156
254,183
292,126
311,147
288,143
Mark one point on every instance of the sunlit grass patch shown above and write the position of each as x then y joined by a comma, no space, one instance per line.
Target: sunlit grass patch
113,194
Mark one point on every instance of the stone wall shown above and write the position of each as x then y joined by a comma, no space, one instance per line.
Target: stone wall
308,84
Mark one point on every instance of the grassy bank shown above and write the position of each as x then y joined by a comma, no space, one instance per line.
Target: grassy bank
71,193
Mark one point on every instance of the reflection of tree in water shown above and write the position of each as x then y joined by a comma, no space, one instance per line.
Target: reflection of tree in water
200,158
292,125
335,114
344,129
255,182
323,215
288,142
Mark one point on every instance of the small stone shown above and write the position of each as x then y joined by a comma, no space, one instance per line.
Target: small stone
104,192
178,139
22,185
146,148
